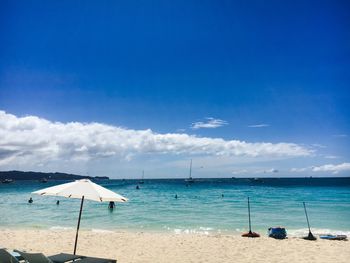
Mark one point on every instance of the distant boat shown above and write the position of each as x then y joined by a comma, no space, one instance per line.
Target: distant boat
7,181
43,180
257,180
190,180
143,175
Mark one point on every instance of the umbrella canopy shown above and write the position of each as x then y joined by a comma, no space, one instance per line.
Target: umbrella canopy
82,189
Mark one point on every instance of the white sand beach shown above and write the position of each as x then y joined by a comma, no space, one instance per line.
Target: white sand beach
133,247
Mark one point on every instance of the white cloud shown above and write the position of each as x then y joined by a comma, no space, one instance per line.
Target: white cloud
240,171
331,157
317,145
262,125
299,170
254,171
272,170
36,141
334,168
340,135
211,123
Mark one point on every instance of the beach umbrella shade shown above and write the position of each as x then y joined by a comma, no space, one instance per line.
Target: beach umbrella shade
82,189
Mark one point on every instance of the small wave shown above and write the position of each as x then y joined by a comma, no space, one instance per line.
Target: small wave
61,228
316,231
97,230
201,231
206,228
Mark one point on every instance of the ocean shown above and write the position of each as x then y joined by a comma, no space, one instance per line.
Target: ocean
208,206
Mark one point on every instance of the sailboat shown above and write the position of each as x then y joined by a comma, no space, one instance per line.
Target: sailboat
7,181
190,180
143,175
43,180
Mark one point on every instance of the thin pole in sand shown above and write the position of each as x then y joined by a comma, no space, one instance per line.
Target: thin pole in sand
310,235
76,236
250,233
250,224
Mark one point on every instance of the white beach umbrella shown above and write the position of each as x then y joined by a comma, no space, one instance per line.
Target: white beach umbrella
82,189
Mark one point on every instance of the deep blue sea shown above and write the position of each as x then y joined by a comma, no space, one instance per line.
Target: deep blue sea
200,207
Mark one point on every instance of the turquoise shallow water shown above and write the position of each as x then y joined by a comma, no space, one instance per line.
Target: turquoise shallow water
200,208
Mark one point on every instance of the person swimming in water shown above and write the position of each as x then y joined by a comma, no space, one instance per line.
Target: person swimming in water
176,196
30,200
137,187
111,205
57,202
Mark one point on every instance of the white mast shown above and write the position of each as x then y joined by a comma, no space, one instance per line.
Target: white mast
191,170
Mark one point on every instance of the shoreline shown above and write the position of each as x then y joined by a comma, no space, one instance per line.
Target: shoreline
291,233
127,246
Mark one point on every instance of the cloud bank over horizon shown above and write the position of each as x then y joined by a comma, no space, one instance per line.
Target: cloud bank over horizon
332,168
34,140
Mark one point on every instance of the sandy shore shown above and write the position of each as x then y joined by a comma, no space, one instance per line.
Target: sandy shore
165,247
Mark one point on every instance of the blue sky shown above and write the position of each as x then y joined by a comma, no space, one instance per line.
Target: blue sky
271,71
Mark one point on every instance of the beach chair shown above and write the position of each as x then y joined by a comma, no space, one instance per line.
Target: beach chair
34,257
64,257
61,258
7,257
97,260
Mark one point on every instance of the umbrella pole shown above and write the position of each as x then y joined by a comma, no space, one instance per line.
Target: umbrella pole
307,218
250,224
310,235
76,236
250,233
